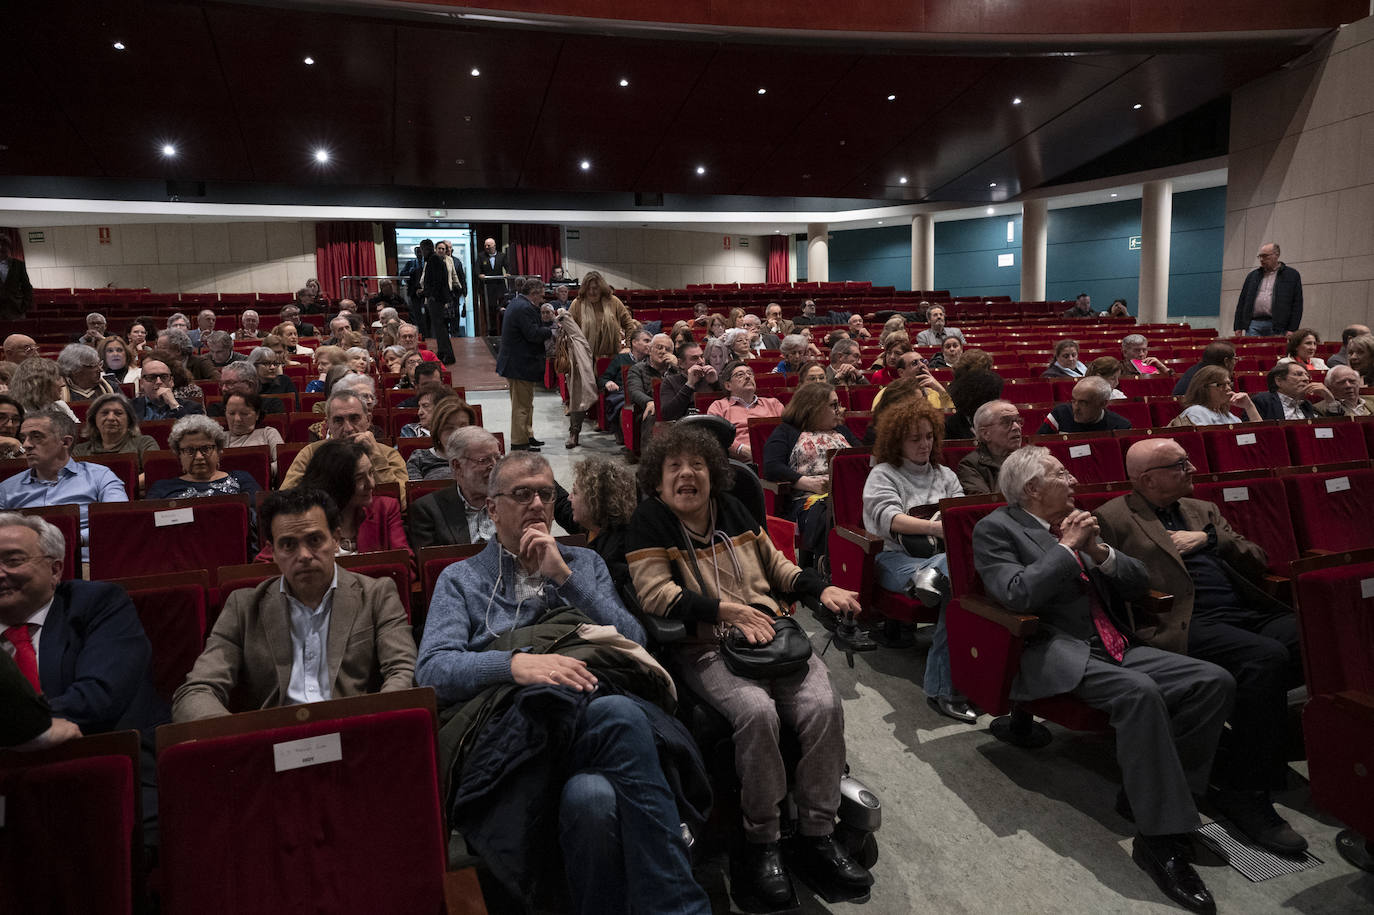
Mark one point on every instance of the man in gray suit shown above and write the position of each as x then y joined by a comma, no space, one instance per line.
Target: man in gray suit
316,632
459,514
1038,554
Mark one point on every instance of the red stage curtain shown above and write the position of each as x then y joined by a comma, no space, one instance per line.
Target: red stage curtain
536,250
16,244
343,249
777,258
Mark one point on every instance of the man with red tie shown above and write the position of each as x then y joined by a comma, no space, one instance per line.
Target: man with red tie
1040,555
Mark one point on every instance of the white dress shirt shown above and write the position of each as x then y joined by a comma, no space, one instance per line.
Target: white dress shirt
309,646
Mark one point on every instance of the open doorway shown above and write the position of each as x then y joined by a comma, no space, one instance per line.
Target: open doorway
459,235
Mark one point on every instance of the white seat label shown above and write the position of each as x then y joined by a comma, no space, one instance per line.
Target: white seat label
1366,592
1245,438
1236,494
1077,451
1338,484
1325,432
310,751
171,516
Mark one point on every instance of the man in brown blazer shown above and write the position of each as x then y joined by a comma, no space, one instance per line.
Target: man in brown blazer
316,632
1217,615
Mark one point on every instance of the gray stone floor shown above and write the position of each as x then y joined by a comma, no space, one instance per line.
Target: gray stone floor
973,825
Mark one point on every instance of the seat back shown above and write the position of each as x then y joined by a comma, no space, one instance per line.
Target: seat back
393,564
172,607
1246,447
1095,459
1325,442
292,786
255,460
434,559
848,474
1257,508
124,465
152,536
1189,439
1332,511
959,516
67,519
76,803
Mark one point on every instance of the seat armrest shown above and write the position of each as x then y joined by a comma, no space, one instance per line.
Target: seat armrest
871,544
1020,625
663,630
781,488
1157,602
1353,702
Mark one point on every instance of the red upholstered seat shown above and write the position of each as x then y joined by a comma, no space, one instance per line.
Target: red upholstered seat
1092,459
142,538
123,464
1332,511
1136,412
393,564
72,839
1248,446
1257,508
172,607
1190,439
1325,442
434,559
67,519
359,829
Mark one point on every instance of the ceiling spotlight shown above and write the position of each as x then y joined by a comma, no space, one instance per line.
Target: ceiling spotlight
321,155
762,91
624,83
892,98
475,72
1016,101
119,45
168,149
585,165
991,211
880,222
902,180
1113,195
992,184
310,61
1137,106
701,169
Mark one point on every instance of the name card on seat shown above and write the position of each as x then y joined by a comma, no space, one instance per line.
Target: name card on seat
1325,432
1245,438
1366,592
172,516
309,751
1078,451
1235,494
1338,484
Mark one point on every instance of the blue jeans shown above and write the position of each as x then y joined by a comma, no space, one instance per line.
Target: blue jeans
894,574
1260,327
614,402
618,824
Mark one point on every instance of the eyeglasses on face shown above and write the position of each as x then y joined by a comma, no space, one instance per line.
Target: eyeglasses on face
157,376
1181,465
13,562
194,450
524,495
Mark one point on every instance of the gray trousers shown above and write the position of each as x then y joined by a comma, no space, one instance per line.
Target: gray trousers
1168,711
806,703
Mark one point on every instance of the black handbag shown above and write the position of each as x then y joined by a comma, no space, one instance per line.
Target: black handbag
921,546
787,654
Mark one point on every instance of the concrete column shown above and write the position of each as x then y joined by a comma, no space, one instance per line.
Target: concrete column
1035,220
923,251
817,253
1156,222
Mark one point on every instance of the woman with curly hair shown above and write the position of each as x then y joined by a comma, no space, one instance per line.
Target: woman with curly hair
900,495
601,316
603,498
798,452
696,554
111,427
37,385
1302,349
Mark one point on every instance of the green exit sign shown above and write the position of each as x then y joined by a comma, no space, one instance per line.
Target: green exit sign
1134,243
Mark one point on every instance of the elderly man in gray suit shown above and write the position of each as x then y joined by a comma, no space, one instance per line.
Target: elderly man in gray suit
458,514
1038,554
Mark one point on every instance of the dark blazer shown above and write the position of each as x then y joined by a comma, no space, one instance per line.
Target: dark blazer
184,408
486,268
247,658
1063,419
522,342
16,295
1270,407
1287,310
23,713
1130,524
437,289
1024,568
438,519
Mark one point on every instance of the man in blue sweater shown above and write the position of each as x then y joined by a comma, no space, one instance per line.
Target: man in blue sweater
618,822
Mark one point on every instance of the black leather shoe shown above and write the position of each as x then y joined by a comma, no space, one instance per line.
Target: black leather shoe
536,443
525,447
760,880
958,709
849,637
1165,860
1252,812
930,587
821,859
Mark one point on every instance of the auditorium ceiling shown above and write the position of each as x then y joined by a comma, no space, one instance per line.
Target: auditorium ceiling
397,97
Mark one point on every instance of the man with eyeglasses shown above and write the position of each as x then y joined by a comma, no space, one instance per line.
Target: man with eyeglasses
458,514
1086,410
1218,614
53,478
1040,554
156,400
292,314
79,643
997,425
347,417
19,347
640,381
741,401
618,827
912,364
1289,389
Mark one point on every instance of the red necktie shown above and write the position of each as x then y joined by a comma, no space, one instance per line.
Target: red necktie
1112,639
24,655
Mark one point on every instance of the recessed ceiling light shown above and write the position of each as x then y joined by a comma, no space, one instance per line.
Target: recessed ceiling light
475,72
880,222
902,180
892,98
119,45
321,155
1016,101
585,165
460,161
624,83
991,211
1113,195
992,184
168,149
310,61
762,91
701,169
1136,107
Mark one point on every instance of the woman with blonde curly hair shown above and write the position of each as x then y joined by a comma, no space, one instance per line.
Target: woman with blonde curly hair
37,385
601,316
603,498
900,495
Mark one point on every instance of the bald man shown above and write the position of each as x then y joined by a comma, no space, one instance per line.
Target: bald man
492,267
1217,615
640,382
19,347
1342,356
